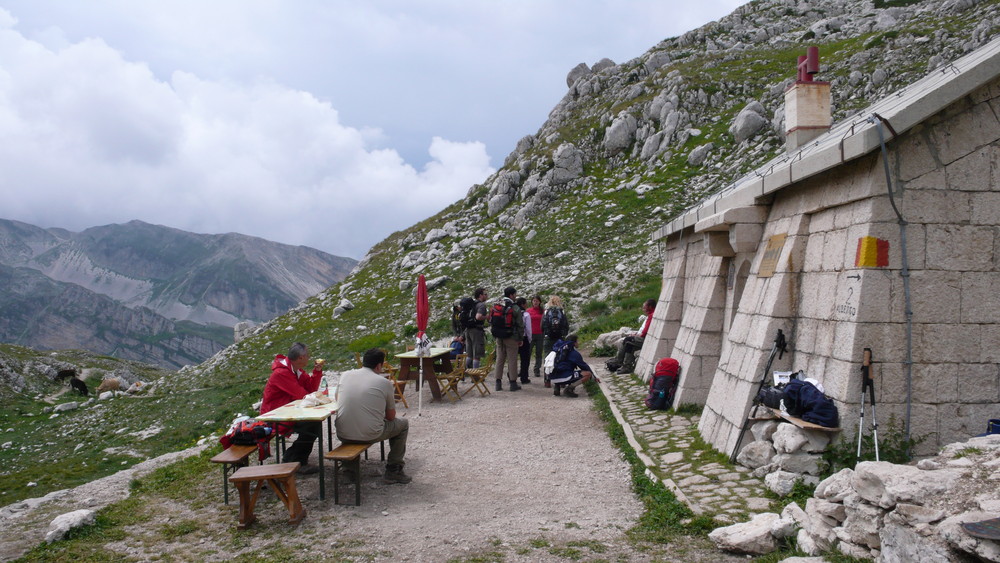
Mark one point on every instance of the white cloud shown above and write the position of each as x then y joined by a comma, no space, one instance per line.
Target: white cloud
91,138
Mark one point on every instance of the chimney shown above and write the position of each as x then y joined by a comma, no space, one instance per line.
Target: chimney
807,104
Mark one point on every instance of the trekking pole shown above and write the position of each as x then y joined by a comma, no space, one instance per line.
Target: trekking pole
867,385
779,349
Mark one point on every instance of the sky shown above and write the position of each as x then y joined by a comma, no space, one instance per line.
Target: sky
323,123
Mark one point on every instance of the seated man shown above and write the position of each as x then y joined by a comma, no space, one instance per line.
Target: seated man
632,342
367,413
288,382
570,369
457,346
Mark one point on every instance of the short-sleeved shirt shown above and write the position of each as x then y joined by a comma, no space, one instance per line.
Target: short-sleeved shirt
363,396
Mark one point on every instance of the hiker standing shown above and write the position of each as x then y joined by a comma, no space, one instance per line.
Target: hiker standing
524,350
474,314
537,338
507,327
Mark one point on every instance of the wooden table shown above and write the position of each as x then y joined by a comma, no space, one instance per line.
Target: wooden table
292,412
438,360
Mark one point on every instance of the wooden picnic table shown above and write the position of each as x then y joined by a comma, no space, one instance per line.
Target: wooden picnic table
292,412
438,360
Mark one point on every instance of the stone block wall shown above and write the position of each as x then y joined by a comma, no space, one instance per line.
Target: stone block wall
947,187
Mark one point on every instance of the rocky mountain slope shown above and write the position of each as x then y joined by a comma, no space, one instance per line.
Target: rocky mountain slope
148,292
630,145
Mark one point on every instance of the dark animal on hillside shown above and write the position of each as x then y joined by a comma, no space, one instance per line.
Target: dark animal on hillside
79,385
65,373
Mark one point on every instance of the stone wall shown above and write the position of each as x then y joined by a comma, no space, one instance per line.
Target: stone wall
718,316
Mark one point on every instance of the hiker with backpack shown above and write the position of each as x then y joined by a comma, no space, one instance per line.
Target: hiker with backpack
507,327
569,369
535,312
555,326
474,313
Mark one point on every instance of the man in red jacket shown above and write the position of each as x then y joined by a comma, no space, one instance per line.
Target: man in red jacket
289,382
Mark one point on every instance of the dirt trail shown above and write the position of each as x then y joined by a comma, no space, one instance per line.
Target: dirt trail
522,475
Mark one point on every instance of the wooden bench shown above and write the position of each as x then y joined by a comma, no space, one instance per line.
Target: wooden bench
349,454
280,477
232,458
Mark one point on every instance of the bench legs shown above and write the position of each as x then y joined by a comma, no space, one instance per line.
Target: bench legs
356,465
285,491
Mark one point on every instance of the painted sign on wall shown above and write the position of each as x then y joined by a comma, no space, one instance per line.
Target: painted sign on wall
872,253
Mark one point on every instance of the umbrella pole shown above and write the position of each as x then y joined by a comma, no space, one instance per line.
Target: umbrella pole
420,388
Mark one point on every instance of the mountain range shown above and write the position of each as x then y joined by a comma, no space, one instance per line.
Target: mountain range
147,292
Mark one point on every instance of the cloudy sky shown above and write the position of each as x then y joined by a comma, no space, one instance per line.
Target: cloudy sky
325,123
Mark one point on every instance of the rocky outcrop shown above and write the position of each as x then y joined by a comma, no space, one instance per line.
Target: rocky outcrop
890,512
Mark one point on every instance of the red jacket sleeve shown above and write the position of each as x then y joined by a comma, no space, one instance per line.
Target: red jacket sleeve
311,381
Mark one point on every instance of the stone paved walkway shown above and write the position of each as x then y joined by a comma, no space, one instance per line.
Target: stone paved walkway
674,454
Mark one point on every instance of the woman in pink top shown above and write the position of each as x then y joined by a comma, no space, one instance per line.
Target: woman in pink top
536,312
632,342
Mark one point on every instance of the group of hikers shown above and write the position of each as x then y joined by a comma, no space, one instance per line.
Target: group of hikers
367,409
520,331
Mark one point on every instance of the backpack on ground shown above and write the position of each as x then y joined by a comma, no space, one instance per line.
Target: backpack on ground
467,313
663,384
554,323
502,319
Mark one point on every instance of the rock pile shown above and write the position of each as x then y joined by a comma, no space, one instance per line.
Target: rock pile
783,454
895,513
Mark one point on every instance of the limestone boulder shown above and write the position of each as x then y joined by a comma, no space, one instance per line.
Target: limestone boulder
579,71
63,523
755,454
753,537
698,155
803,463
602,64
781,482
567,164
63,407
902,543
621,133
836,487
885,484
748,122
790,521
862,524
764,429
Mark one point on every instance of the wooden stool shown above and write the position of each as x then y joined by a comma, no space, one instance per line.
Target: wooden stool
231,458
281,478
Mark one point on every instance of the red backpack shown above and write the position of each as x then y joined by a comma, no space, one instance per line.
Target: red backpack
502,319
663,384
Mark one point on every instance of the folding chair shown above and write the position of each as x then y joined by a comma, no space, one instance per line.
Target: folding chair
398,384
449,381
479,375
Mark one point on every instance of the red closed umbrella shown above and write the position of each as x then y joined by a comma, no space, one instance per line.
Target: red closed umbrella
423,346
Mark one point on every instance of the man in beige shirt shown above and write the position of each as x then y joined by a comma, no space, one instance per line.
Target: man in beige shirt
367,413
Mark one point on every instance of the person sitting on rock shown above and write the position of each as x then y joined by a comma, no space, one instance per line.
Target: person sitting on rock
632,342
570,369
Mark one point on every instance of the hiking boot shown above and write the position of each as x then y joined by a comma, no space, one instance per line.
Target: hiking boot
569,392
525,380
499,385
555,389
548,384
307,469
514,386
394,474
625,370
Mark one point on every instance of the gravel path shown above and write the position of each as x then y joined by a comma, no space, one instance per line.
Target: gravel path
521,476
